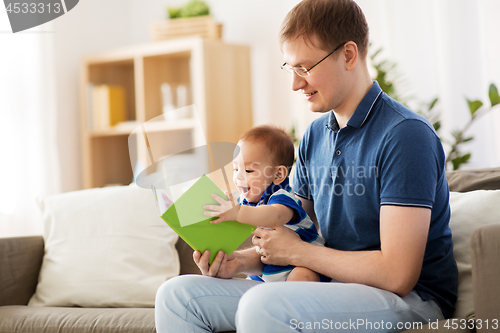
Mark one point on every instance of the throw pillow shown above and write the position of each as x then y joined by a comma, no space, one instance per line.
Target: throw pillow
104,247
469,211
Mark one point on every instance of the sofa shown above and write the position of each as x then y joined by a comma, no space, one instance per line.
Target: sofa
479,294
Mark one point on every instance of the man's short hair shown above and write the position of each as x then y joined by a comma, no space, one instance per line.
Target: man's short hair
278,143
331,21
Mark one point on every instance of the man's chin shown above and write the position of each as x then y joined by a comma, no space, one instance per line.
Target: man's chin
317,109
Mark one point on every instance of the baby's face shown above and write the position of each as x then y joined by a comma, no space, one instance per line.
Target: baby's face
253,170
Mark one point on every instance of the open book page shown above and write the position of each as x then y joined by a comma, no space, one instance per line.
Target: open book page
163,200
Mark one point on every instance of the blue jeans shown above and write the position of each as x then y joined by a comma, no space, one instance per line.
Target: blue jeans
195,303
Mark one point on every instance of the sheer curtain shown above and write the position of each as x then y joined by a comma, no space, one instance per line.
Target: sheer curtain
445,49
29,161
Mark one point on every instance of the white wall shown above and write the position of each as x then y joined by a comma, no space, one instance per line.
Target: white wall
92,26
445,48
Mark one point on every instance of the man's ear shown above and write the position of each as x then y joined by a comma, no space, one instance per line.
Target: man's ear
351,55
280,174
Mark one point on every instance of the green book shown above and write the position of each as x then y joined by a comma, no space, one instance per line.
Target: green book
186,217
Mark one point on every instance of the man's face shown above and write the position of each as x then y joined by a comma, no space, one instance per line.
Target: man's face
324,88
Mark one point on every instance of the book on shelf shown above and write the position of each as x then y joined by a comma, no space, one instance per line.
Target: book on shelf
106,106
186,217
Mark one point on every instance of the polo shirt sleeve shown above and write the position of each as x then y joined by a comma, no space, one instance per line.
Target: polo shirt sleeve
300,178
412,159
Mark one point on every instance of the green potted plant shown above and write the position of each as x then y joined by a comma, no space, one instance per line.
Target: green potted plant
191,19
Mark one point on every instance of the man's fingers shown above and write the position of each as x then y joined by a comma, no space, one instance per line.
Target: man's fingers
264,259
256,241
263,233
196,257
258,233
201,260
214,267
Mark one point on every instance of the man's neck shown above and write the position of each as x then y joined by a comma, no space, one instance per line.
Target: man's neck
345,112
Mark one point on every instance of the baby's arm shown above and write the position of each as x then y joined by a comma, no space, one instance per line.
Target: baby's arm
271,216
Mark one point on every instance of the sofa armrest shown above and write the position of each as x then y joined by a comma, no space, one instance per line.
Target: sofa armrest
485,259
20,261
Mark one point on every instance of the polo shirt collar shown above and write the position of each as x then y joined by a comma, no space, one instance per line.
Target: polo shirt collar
264,198
364,108
362,112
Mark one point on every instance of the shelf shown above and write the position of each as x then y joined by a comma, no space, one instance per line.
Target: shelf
119,73
152,126
206,68
173,69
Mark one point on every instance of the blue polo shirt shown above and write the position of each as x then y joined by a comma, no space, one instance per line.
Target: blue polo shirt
386,155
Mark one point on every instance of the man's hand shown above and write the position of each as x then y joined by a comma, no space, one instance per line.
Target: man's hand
225,211
223,266
274,245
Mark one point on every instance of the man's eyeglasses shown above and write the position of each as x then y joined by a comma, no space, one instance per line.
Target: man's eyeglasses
301,71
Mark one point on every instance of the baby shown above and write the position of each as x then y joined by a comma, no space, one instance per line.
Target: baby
261,172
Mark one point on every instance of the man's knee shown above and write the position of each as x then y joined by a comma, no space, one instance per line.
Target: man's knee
176,291
264,302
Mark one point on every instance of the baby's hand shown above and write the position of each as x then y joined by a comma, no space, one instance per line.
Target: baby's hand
225,210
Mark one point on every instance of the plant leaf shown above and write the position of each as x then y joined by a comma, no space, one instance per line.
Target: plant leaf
457,134
456,163
468,139
465,158
376,53
433,103
459,160
437,125
474,106
493,94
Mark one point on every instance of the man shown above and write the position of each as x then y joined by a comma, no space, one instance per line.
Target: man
371,174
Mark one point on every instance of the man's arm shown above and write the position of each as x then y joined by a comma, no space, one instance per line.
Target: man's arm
308,206
395,267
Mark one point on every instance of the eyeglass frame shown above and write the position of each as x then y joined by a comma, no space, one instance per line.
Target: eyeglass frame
289,69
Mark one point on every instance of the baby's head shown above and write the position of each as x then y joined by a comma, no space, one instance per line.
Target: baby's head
265,157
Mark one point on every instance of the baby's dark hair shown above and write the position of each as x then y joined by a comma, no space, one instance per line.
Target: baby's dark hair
276,140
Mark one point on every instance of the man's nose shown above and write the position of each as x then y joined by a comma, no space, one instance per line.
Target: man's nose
298,82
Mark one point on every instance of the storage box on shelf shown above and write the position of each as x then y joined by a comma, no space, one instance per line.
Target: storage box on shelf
203,26
217,75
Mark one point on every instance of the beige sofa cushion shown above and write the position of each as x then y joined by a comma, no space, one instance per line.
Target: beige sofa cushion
104,247
20,261
485,256
76,320
469,211
471,180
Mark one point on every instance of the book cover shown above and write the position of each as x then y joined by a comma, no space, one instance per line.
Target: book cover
116,105
186,217
108,106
